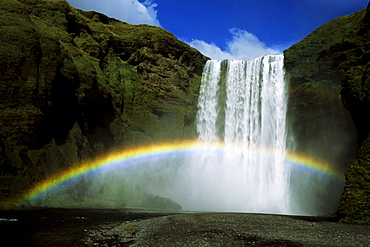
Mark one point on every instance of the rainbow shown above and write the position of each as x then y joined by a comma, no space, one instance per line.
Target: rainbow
143,153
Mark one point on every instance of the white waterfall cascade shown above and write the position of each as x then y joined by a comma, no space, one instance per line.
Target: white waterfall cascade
239,163
243,104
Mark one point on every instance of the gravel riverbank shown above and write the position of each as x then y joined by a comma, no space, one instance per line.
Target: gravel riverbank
230,229
137,227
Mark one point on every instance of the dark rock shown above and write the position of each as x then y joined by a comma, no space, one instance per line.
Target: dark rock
161,203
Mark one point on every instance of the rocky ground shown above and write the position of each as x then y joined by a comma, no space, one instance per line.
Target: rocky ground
109,227
231,229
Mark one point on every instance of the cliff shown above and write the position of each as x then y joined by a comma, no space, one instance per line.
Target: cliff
329,70
77,84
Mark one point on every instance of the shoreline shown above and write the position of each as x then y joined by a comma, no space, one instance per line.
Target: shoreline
139,227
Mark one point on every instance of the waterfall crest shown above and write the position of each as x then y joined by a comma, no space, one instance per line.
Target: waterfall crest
243,104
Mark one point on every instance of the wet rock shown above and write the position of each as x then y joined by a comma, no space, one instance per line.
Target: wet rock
161,203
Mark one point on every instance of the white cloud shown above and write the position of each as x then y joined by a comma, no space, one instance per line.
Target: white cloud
243,46
130,11
210,50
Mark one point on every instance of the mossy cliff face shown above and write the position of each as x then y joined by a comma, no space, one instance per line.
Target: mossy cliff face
75,85
329,70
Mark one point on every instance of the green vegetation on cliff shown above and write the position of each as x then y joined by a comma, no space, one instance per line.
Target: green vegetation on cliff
77,84
327,69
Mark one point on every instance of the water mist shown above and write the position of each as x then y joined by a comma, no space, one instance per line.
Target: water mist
243,105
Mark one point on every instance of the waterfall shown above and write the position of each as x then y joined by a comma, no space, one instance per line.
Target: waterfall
239,163
243,104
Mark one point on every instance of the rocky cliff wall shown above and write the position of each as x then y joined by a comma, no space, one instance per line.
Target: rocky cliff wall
76,84
329,72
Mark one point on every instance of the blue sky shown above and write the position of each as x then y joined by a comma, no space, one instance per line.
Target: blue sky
229,29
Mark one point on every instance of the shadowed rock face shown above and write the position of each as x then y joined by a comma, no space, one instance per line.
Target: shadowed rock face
329,72
77,84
